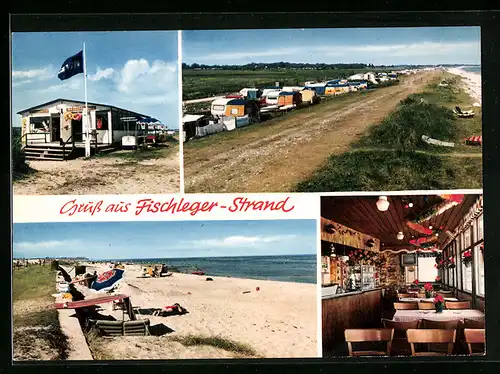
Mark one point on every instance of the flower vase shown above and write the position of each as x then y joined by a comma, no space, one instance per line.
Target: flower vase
439,307
428,294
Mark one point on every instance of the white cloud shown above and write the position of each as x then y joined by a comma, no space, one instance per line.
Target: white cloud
139,76
20,83
39,74
401,50
49,244
240,241
101,74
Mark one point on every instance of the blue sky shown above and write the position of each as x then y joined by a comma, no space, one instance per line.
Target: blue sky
135,70
379,46
100,240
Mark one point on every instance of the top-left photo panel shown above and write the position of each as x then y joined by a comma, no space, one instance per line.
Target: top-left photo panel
95,112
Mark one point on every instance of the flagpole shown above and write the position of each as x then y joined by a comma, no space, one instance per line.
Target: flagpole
87,132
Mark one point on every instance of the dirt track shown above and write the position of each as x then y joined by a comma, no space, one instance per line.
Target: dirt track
275,157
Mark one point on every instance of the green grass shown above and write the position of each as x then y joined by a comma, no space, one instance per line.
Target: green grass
205,83
217,342
33,282
388,171
37,332
392,156
20,168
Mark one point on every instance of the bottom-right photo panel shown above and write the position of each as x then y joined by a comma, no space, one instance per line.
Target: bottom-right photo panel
403,275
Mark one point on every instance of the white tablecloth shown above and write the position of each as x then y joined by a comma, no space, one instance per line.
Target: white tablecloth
431,300
445,315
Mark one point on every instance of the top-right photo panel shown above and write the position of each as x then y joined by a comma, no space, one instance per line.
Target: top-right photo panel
326,110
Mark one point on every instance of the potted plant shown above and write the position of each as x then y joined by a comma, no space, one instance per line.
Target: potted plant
467,258
439,303
428,290
450,264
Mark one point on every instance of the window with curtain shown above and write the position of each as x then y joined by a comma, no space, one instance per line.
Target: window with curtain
479,267
466,275
480,230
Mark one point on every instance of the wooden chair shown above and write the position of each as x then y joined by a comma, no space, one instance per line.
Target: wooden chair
462,347
475,336
416,336
444,293
441,325
457,305
400,344
369,335
406,306
403,295
425,306
473,324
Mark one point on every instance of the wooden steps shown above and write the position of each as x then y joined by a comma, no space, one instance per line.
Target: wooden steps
49,152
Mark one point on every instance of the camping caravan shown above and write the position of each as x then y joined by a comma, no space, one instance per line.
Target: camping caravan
358,86
318,87
293,89
309,96
241,108
189,124
235,108
289,99
198,126
336,89
218,107
251,93
272,97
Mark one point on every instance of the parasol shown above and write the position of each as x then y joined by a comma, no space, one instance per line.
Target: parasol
107,280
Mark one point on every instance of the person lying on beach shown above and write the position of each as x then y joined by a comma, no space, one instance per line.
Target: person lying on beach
171,310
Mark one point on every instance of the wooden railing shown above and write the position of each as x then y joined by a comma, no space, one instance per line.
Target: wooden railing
26,137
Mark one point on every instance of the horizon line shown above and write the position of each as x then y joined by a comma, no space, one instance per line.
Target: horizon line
152,258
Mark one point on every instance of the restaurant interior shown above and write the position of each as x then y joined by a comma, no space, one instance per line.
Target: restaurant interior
402,275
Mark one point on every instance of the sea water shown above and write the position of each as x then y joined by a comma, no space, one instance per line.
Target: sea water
472,69
293,268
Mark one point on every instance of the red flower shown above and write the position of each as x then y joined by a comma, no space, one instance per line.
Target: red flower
438,299
435,265
441,262
467,254
428,287
438,278
452,260
415,282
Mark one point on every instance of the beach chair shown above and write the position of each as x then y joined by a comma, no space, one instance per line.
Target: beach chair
463,113
136,328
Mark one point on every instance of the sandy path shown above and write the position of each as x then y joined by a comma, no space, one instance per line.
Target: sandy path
274,158
279,320
102,175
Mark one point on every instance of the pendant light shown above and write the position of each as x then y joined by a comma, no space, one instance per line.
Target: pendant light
400,235
382,203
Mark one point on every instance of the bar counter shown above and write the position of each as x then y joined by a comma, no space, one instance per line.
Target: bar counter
358,309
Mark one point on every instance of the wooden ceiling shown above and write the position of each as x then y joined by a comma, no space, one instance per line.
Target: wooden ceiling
361,213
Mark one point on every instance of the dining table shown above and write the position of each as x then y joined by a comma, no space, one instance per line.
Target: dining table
445,315
427,300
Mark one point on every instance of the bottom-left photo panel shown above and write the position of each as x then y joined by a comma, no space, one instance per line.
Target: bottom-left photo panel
165,290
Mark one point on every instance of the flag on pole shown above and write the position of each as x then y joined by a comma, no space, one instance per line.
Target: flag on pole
71,66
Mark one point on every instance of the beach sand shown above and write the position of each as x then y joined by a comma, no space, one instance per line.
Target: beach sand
472,83
278,321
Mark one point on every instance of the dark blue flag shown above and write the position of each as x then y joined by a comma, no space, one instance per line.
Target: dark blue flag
71,66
